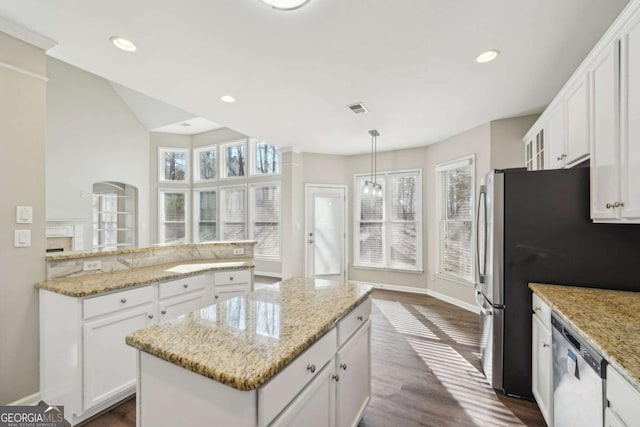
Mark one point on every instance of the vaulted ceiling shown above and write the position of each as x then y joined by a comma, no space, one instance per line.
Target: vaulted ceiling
412,62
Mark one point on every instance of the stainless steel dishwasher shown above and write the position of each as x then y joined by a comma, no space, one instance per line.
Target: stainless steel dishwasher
578,379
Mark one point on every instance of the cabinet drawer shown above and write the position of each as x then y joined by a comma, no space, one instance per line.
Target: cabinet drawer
174,307
353,320
231,277
542,310
274,396
623,398
181,286
117,301
230,291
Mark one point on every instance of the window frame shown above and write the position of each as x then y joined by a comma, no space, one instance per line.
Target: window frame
196,163
221,218
387,221
187,215
223,159
196,214
439,169
161,177
253,159
251,216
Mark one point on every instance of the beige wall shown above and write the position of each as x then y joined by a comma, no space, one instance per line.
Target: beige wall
507,148
92,136
22,176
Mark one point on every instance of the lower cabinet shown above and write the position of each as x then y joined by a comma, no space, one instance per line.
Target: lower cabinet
542,359
623,401
109,364
177,306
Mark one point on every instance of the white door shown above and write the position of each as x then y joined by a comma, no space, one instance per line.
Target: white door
325,232
555,138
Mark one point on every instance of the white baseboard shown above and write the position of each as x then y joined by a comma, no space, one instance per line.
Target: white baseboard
31,400
410,289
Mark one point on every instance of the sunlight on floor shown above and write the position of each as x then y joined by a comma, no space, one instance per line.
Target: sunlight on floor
462,380
403,321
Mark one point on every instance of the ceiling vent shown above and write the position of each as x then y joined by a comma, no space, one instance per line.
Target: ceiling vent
358,108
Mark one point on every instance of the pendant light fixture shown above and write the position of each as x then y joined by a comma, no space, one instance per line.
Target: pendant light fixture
286,4
371,186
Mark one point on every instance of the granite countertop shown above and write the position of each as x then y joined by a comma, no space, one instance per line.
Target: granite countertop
244,341
608,320
99,283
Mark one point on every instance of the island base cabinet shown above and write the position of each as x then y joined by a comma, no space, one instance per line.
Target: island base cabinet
353,378
169,395
314,406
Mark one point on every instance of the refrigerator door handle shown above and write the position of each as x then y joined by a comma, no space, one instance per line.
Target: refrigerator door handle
482,206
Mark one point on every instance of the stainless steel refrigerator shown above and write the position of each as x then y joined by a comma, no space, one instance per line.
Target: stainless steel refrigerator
534,226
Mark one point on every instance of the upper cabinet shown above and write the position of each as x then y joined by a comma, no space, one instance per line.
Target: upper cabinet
596,116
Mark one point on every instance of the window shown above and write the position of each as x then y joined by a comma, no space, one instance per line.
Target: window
174,214
455,211
388,231
234,159
173,164
114,216
266,158
206,159
233,213
265,219
206,211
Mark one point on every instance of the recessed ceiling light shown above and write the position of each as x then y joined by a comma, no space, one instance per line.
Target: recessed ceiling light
487,56
124,44
286,4
228,99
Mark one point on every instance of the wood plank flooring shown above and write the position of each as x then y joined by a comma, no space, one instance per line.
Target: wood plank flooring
426,371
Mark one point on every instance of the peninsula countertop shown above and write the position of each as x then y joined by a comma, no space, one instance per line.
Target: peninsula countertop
244,341
608,320
99,283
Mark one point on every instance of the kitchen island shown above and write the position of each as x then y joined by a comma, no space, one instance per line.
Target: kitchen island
296,350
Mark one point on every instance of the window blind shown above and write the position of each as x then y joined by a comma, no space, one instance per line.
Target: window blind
234,213
265,219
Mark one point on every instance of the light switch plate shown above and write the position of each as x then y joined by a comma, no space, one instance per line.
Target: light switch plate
24,215
22,238
238,251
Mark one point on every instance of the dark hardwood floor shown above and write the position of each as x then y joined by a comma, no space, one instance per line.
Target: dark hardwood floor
426,371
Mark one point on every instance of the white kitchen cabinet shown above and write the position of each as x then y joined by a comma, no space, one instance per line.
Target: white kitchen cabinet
541,357
611,419
535,152
178,297
630,115
577,121
623,400
177,306
353,377
109,364
555,138
605,141
229,284
314,407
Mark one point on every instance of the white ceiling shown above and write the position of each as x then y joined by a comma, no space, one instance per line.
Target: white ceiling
293,72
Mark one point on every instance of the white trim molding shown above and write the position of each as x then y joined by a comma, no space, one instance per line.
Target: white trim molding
26,35
423,291
30,400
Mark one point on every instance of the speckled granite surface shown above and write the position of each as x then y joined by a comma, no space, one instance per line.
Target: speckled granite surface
94,284
244,341
609,320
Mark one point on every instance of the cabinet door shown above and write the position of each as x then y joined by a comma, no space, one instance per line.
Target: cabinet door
605,102
229,291
611,419
353,382
109,363
577,105
313,407
542,369
631,121
555,138
174,307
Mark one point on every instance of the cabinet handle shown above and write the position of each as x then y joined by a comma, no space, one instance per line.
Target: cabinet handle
343,366
186,285
609,206
618,205
536,308
151,316
163,312
545,345
123,300
216,297
311,368
360,318
335,377
231,278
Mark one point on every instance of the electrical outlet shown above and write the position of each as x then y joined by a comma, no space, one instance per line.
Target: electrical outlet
92,265
238,251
